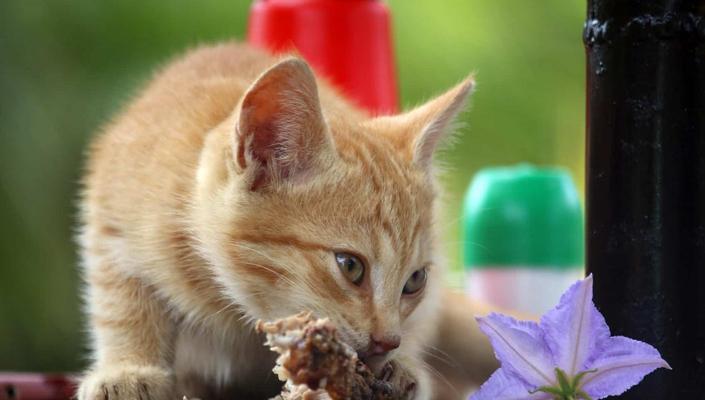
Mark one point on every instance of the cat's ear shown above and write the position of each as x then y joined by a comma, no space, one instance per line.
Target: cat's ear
421,131
281,133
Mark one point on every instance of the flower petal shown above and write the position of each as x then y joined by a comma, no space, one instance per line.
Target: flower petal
520,348
574,328
621,364
504,386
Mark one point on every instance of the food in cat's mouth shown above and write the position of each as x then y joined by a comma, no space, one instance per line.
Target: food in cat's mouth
314,362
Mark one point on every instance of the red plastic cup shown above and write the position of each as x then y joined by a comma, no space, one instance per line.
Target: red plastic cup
347,41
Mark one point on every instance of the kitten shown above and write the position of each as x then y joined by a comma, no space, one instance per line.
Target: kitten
238,187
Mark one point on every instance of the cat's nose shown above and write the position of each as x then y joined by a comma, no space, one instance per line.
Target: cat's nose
381,345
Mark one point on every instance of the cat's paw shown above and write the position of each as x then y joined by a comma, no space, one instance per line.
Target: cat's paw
127,383
400,378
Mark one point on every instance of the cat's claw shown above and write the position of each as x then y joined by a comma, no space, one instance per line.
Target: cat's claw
127,383
387,371
399,377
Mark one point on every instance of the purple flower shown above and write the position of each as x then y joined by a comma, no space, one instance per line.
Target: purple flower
569,355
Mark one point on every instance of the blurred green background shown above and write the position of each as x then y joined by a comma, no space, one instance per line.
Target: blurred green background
67,65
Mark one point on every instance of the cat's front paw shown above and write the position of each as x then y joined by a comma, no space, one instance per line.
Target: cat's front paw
127,383
399,378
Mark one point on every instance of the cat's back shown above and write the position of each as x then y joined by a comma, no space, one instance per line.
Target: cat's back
150,151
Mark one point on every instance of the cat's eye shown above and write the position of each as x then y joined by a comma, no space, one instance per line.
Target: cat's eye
416,281
351,267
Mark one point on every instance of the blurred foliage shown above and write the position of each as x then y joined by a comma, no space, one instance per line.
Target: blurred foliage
67,65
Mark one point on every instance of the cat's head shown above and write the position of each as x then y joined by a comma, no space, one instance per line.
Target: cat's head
311,208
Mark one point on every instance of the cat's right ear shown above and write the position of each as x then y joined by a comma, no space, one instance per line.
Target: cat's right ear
281,135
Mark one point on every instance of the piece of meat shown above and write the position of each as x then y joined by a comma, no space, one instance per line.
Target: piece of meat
316,364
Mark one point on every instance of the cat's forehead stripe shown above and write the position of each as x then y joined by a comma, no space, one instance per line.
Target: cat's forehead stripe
282,240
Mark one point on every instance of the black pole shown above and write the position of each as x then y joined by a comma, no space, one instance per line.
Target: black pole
646,181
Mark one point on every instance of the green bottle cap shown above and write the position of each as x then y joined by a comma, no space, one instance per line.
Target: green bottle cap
522,216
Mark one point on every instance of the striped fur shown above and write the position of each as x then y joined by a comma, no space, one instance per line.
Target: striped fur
219,197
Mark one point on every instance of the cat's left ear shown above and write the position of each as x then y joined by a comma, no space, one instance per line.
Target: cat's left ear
281,133
423,129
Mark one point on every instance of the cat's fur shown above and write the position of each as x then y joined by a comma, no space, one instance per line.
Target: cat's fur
219,197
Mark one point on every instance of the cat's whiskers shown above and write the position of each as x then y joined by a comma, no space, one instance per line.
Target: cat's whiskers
229,306
277,273
444,358
429,368
278,263
284,266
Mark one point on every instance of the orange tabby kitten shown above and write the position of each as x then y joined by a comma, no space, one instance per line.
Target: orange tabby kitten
239,187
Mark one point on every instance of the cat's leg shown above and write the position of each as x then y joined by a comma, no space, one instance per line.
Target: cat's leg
132,338
224,358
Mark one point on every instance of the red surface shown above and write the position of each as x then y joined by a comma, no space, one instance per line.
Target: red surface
24,386
347,41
